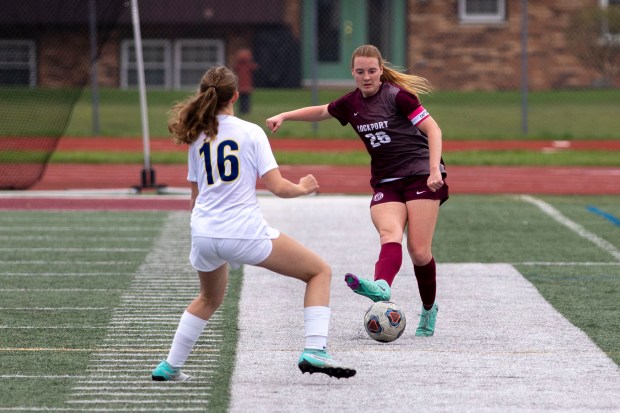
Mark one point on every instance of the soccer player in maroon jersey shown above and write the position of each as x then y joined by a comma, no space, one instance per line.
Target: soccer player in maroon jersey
407,171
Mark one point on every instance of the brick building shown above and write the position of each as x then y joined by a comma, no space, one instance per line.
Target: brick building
457,44
484,53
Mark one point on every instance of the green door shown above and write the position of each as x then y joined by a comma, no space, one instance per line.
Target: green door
343,25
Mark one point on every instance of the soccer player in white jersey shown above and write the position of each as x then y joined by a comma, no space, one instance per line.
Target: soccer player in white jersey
226,156
407,171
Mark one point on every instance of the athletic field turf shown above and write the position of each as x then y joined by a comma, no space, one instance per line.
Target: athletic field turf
529,320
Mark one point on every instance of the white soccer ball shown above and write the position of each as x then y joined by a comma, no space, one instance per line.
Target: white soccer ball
385,321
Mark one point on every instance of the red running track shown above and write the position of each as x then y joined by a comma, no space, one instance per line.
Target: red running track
354,179
332,179
68,144
349,180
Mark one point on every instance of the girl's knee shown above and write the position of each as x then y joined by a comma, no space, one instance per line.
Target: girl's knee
323,273
210,302
326,271
392,235
420,255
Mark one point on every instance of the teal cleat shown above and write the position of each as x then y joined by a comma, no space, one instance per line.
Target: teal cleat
319,361
375,290
426,328
165,372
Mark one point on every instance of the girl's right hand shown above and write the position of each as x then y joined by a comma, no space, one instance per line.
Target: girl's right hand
274,123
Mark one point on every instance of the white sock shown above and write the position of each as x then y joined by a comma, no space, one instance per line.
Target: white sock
316,323
190,328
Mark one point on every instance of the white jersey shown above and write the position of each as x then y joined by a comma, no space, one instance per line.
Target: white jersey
226,170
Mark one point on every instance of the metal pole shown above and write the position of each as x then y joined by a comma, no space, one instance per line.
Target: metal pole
524,68
148,176
314,63
92,22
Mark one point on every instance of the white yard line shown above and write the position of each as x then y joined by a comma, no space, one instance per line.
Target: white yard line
573,226
70,249
66,290
85,238
55,308
569,264
66,274
143,324
51,262
73,229
499,346
102,410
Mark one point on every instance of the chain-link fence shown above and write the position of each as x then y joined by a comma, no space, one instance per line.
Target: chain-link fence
500,68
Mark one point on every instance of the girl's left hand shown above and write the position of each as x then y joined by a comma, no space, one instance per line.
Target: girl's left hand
309,184
435,181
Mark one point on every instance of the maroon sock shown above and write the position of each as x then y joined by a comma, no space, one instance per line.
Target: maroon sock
390,260
427,283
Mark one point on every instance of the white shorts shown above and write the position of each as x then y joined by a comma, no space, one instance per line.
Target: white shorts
208,254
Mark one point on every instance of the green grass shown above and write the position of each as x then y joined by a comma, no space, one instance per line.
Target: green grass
587,296
532,158
360,158
504,229
58,291
27,254
551,115
578,278
219,399
585,114
492,229
578,114
593,309
36,112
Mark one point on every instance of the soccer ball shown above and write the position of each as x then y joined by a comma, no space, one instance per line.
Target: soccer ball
384,321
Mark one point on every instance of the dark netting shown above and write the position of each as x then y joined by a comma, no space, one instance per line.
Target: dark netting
39,85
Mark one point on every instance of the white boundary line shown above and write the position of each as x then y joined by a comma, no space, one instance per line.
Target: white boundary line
572,225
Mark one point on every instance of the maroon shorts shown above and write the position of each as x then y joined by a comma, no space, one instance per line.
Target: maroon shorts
408,189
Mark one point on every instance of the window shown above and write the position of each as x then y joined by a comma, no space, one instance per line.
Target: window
482,11
157,67
193,57
170,64
17,63
611,20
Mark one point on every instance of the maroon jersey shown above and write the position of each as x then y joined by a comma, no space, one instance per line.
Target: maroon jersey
387,124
